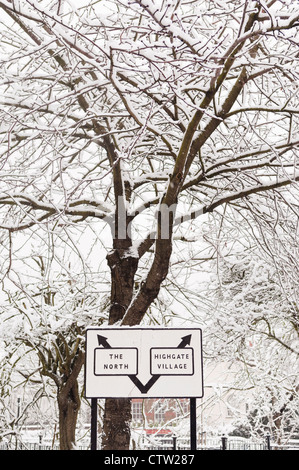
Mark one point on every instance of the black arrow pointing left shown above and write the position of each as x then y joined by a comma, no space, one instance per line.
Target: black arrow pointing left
103,342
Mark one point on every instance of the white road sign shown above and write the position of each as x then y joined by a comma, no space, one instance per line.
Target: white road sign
143,363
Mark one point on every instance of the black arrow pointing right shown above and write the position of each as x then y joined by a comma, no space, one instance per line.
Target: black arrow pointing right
185,340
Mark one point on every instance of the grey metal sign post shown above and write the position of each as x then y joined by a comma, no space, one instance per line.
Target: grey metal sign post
143,363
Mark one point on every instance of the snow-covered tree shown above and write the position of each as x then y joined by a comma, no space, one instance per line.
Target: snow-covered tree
141,115
253,320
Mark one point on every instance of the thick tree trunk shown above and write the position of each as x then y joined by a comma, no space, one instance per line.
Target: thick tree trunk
117,415
123,268
117,420
69,405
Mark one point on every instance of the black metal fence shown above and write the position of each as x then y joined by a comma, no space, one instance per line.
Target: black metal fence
176,443
221,443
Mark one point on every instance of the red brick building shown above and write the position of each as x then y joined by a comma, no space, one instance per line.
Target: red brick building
152,412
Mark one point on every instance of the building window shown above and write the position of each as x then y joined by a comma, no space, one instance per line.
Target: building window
159,411
137,408
184,407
